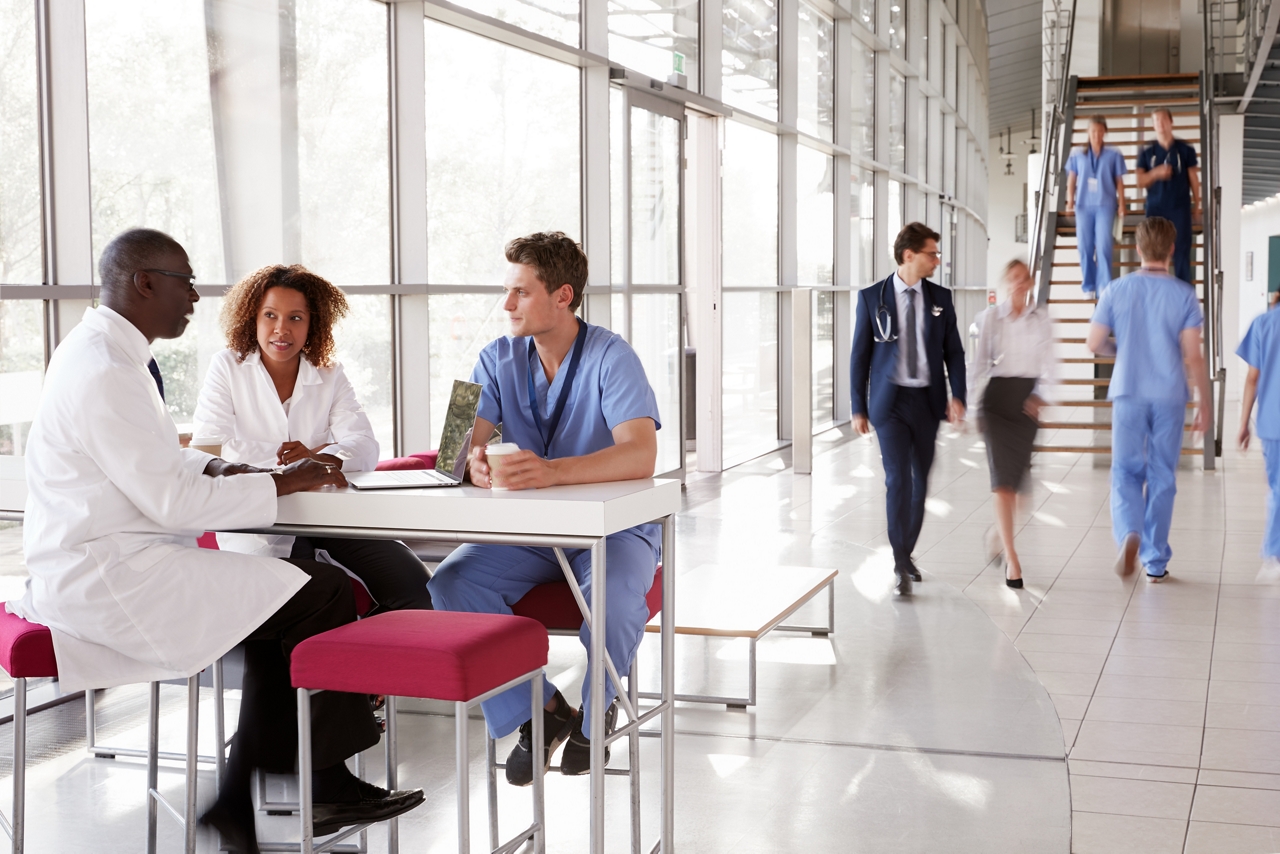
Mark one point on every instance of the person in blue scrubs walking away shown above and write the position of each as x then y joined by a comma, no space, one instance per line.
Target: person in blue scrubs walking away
1157,323
1095,193
575,398
1170,173
1261,350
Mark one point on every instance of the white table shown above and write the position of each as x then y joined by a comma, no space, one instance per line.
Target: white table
577,517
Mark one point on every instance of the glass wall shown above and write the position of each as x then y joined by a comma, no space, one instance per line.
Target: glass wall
897,122
815,218
750,383
862,94
749,185
656,37
815,76
750,56
862,227
556,19
823,336
20,261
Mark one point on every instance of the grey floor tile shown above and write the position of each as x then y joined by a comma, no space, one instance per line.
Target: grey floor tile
1237,806
1208,838
1119,796
1100,833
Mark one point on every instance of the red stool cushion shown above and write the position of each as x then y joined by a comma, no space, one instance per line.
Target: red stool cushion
208,540
26,649
436,655
553,605
409,463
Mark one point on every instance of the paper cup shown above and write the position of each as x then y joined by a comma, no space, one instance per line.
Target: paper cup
497,455
208,444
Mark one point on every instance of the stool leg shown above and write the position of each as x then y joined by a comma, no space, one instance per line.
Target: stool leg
393,761
491,763
90,721
539,770
153,764
219,727
19,763
306,845
193,762
464,784
633,745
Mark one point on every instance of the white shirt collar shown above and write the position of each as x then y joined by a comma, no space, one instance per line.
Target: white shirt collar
308,374
122,331
899,286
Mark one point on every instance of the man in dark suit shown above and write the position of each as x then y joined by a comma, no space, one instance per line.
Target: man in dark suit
904,337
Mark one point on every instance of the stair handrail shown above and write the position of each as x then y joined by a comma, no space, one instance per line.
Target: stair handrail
1054,161
1210,205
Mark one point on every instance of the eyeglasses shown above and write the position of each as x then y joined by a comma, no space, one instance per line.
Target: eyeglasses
937,256
190,277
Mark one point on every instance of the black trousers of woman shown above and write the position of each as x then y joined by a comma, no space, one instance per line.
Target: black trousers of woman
396,579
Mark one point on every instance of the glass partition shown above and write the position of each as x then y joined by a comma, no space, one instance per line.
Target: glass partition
21,370
749,184
750,365
862,93
815,217
656,37
556,19
655,336
897,25
897,122
20,243
461,325
816,74
862,227
749,57
823,344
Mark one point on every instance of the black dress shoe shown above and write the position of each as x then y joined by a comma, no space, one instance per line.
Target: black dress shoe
576,758
1015,583
234,825
374,804
903,587
915,574
555,730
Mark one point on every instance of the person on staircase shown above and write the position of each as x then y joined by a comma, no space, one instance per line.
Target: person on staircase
1095,194
1011,363
1156,322
1170,173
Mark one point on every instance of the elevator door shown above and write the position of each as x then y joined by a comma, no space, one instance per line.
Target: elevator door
1145,36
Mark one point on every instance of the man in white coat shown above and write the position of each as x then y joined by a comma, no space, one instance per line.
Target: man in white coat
114,509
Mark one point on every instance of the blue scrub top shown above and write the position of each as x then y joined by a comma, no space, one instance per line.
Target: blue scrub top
1174,194
1096,177
611,387
1147,311
1261,349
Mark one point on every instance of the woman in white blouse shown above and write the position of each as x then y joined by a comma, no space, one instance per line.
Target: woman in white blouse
1011,363
276,395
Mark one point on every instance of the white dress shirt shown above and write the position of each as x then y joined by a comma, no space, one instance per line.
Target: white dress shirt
900,373
239,404
1011,346
113,510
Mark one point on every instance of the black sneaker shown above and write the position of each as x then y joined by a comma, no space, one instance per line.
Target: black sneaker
372,803
576,758
555,729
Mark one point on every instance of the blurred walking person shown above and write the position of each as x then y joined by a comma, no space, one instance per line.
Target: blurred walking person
1095,193
1011,365
1261,350
1157,323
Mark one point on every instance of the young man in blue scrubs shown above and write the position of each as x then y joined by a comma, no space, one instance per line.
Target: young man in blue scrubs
1261,350
1157,322
1170,173
575,398
1095,192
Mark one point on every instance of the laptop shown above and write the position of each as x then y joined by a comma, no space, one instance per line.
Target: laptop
455,444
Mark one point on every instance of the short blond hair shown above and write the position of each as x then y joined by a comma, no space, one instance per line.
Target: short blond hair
1156,236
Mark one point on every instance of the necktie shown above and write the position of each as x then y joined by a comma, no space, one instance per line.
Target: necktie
155,374
913,357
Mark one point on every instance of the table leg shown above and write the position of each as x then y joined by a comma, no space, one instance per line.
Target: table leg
598,682
668,741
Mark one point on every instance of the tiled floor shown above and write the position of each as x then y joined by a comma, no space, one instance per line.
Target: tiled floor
1081,713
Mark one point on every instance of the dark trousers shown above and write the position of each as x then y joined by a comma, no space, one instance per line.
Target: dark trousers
267,735
906,449
396,579
1181,219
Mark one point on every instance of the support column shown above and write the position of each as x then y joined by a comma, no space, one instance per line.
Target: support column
703,279
1231,179
596,225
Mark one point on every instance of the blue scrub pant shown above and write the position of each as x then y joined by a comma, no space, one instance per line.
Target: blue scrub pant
1145,446
1181,218
486,579
907,444
1093,234
1271,540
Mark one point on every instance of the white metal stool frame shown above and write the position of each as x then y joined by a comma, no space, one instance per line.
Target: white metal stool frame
534,831
187,818
18,829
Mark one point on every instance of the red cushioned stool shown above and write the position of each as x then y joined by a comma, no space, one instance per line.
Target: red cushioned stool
432,655
26,652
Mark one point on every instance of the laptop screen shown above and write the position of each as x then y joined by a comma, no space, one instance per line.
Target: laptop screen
455,438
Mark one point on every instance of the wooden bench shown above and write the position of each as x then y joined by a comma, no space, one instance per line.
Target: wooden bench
733,602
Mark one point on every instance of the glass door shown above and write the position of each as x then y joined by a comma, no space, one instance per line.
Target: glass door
647,142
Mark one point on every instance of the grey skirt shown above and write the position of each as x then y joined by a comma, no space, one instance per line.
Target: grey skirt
1009,432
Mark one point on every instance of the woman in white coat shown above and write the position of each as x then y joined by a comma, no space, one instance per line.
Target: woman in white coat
275,396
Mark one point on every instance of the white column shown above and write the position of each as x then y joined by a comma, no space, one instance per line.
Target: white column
702,277
596,224
64,131
802,382
790,394
1231,179
409,225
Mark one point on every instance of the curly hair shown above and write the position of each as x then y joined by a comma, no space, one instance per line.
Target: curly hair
325,302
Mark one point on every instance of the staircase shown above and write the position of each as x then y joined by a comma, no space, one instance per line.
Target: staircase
1078,418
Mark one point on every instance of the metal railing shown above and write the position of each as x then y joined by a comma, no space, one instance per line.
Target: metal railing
1056,141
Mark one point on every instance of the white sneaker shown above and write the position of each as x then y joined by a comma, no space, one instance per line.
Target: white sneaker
1270,572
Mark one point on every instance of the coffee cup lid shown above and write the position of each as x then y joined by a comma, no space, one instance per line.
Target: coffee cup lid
502,448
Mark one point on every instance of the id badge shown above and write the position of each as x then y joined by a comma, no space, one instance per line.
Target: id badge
1094,188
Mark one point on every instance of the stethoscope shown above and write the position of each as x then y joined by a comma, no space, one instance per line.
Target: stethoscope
884,320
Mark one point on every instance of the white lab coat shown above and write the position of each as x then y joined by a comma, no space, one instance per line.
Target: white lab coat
113,510
239,404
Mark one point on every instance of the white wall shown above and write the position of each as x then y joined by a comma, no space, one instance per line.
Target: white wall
1005,201
1258,222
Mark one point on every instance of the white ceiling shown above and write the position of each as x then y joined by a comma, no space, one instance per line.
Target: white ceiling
1014,27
